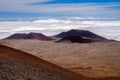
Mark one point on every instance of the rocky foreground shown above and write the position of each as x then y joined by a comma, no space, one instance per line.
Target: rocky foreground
100,60
18,65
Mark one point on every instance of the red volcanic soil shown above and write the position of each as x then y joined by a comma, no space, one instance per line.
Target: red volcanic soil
31,35
18,65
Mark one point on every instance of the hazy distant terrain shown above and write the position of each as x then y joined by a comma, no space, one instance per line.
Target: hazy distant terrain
31,35
100,59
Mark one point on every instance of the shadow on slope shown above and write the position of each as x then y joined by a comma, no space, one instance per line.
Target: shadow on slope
75,39
82,33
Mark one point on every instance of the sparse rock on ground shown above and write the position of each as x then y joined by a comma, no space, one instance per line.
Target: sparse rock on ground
96,60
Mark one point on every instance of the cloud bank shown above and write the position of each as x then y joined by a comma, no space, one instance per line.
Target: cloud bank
105,19
51,26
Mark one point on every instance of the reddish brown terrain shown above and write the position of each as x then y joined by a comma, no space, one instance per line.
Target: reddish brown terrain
81,33
75,39
18,65
99,60
80,36
31,35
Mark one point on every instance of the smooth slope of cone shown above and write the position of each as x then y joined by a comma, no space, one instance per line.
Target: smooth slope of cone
38,36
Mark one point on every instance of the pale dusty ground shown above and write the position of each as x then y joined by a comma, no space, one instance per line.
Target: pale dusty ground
101,59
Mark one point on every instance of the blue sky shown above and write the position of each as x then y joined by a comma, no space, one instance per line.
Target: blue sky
51,17
79,1
58,8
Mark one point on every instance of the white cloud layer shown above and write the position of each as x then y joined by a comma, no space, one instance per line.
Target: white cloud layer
51,26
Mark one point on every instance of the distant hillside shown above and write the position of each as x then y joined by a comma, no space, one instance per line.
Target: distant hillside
82,33
31,35
75,39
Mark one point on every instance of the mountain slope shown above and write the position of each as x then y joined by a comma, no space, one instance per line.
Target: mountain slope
31,35
18,65
82,33
96,59
75,39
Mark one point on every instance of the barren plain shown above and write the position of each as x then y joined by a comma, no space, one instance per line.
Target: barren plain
93,60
